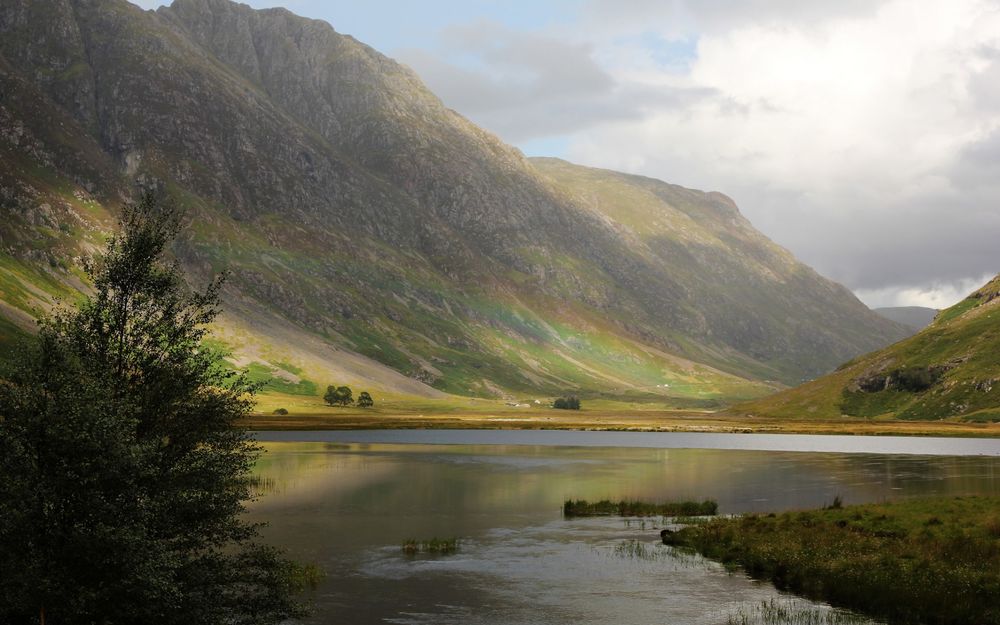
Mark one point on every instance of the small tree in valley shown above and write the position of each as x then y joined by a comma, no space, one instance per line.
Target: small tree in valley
330,397
345,397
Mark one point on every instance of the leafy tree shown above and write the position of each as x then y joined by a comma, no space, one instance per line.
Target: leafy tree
365,400
345,397
124,474
330,397
570,402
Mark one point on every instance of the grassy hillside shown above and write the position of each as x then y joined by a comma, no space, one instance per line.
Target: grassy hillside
949,370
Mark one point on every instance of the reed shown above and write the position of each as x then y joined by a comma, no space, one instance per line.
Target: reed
630,508
436,546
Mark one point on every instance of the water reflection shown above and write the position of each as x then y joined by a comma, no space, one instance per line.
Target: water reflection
348,507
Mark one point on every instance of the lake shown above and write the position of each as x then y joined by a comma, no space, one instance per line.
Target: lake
347,500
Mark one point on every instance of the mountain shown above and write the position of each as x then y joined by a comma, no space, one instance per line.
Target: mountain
950,369
374,236
916,317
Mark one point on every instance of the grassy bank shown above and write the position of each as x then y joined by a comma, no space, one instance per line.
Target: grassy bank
306,413
930,561
605,507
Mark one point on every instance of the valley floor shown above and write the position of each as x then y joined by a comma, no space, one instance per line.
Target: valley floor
485,414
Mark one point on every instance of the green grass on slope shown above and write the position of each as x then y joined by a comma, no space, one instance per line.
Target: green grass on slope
273,383
475,340
951,369
920,561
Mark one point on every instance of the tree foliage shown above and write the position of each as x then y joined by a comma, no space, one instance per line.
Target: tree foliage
124,474
338,395
570,402
365,400
330,397
345,397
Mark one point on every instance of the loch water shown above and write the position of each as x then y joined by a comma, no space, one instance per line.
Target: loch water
347,500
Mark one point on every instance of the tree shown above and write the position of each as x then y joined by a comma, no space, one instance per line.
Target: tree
570,402
345,397
338,395
330,397
124,473
365,400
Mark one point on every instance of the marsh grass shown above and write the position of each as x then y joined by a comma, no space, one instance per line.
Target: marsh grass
605,507
260,485
435,546
792,612
919,561
684,520
637,550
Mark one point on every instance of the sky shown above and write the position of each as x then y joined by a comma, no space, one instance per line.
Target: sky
863,135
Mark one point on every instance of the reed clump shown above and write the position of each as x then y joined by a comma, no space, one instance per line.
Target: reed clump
606,507
637,550
792,612
436,546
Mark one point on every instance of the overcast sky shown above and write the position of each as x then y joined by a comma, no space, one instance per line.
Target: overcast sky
863,135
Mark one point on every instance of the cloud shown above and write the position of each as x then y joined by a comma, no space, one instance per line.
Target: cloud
935,295
526,86
711,16
868,142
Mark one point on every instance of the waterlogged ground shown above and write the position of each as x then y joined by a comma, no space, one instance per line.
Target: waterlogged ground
348,506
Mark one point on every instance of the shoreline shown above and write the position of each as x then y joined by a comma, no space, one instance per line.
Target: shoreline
619,421
929,559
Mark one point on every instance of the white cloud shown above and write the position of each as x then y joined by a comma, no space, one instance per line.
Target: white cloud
933,296
526,86
864,142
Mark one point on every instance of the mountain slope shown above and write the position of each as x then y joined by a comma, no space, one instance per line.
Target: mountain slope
949,369
364,221
917,317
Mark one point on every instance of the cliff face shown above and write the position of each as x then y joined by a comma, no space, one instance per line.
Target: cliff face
357,212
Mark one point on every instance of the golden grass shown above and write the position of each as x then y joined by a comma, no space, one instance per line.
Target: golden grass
468,413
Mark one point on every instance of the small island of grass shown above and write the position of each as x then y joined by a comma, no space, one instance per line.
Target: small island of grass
921,561
436,546
605,507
